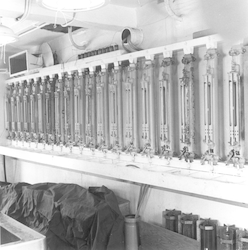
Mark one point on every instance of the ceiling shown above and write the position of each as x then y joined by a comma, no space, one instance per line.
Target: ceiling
227,18
30,28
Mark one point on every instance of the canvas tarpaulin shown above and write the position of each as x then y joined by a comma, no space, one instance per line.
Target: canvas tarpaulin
70,216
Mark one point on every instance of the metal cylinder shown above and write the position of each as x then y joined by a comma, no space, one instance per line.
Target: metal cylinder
131,232
131,39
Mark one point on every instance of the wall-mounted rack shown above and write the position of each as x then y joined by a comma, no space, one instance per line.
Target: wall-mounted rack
48,86
115,100
132,108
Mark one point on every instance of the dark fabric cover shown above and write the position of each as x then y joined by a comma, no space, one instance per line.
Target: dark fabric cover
70,216
9,197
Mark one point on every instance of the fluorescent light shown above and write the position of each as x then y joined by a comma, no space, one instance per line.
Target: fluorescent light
7,35
72,5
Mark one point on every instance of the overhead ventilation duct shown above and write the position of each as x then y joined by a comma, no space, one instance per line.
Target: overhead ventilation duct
131,39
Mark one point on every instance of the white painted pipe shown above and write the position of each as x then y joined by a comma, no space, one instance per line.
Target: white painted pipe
80,47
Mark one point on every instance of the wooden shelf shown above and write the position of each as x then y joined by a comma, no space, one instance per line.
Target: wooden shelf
171,178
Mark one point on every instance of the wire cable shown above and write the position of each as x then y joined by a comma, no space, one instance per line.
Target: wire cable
80,47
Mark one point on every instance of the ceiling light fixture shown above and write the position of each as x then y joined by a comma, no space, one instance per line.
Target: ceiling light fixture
7,35
72,5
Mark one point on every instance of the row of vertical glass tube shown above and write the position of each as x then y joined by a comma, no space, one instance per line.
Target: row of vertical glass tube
133,107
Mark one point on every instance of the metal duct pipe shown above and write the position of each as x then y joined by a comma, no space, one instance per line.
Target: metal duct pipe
131,39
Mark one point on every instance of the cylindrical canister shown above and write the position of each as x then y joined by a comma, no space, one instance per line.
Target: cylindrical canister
171,219
188,225
208,235
131,232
